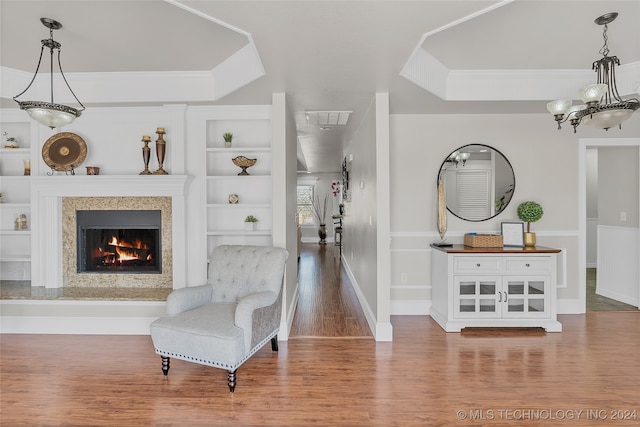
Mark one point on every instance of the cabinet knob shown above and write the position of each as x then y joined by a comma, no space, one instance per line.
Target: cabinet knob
527,265
477,265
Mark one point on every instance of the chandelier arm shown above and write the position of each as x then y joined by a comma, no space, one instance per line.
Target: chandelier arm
51,44
34,76
614,87
67,83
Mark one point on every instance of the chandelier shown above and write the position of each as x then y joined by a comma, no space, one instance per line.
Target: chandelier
458,157
49,113
603,107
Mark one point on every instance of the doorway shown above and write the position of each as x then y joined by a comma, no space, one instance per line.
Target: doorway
603,220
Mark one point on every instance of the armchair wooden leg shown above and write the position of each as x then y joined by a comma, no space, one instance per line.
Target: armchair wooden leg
232,381
165,365
274,343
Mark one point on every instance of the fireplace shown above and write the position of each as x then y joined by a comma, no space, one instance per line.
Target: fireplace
119,241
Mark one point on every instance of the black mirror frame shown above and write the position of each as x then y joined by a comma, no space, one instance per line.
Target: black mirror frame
513,174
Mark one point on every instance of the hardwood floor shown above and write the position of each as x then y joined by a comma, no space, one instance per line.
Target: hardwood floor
597,302
327,306
425,377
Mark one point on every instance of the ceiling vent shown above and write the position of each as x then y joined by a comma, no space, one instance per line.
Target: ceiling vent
327,118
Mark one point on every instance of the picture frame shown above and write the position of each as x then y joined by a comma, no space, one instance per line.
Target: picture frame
513,234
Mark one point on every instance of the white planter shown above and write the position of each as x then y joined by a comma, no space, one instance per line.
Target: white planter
250,226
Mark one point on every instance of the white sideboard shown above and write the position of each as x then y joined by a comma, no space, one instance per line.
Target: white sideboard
494,287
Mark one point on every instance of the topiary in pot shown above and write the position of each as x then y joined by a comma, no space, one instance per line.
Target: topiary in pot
530,212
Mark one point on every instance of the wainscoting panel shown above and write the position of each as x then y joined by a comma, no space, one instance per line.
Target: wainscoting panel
592,242
618,274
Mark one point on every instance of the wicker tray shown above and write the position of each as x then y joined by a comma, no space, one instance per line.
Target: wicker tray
483,240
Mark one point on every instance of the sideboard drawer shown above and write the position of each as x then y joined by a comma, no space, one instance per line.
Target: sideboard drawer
528,265
470,265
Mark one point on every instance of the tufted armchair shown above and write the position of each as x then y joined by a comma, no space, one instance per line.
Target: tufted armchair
224,322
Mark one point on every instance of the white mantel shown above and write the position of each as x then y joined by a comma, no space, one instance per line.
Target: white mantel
46,216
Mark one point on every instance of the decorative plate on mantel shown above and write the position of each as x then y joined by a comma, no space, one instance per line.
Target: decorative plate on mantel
64,151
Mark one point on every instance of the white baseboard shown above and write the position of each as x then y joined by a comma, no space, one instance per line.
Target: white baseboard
410,307
570,306
285,326
385,330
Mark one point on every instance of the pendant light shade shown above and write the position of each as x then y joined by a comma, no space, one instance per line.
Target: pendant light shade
49,113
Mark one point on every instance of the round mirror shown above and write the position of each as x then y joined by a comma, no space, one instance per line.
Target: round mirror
478,182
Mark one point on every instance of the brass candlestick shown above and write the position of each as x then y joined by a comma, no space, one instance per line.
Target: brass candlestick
146,155
161,145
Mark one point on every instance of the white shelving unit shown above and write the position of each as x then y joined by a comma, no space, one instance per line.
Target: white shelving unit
252,139
15,245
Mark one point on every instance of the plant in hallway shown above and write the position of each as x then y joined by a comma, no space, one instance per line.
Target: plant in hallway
320,212
529,212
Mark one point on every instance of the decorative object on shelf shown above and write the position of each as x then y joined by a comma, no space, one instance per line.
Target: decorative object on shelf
64,152
604,108
146,155
233,199
228,137
244,163
512,234
12,142
320,212
93,170
161,146
530,212
21,222
250,223
476,240
49,113
27,167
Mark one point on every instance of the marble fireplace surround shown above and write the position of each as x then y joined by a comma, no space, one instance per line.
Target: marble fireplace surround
49,268
71,277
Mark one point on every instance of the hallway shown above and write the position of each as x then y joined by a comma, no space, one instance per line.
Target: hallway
327,305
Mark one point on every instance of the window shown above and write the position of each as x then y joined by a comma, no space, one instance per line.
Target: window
305,205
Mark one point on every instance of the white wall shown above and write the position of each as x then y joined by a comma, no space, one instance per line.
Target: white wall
618,186
284,145
545,163
361,218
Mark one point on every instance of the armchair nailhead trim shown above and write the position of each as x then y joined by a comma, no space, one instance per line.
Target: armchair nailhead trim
226,366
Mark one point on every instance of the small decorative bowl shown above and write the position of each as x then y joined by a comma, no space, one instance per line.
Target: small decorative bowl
244,163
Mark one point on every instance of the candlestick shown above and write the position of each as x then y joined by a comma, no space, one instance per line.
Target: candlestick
146,155
160,152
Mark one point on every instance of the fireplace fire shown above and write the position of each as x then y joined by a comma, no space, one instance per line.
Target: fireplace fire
119,241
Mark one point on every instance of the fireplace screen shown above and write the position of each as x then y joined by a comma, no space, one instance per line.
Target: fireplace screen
119,241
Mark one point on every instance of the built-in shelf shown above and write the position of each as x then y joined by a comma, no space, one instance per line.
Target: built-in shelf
251,128
238,205
16,258
240,150
15,150
239,233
